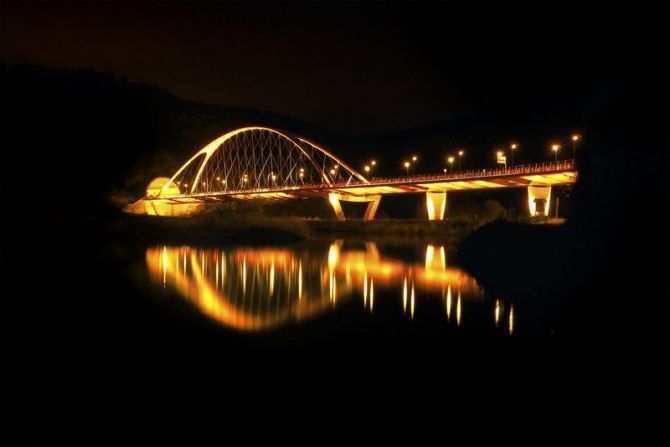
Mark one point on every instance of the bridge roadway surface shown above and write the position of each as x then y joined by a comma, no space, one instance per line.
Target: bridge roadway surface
557,173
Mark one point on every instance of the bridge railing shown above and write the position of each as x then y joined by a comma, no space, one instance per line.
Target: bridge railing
537,168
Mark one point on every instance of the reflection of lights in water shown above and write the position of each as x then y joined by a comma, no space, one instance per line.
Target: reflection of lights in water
244,275
272,278
365,289
300,280
372,293
164,263
448,303
411,305
497,311
458,310
256,289
511,319
404,295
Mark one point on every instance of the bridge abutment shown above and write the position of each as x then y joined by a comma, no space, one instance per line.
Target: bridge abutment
538,200
436,204
370,211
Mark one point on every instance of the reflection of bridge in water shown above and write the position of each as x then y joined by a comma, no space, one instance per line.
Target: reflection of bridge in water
259,163
253,289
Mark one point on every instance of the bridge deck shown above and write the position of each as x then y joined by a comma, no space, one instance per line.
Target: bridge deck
550,174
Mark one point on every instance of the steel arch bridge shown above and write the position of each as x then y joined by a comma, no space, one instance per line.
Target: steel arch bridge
258,158
258,162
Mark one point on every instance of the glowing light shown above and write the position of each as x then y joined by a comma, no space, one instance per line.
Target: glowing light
510,326
404,295
164,263
373,162
513,146
575,137
244,275
367,168
460,153
241,298
365,289
414,158
555,147
458,309
272,277
449,303
407,164
497,312
372,294
333,255
300,280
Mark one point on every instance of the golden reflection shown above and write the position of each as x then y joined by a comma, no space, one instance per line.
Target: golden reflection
254,289
372,294
458,310
411,306
497,312
365,289
511,319
448,303
404,295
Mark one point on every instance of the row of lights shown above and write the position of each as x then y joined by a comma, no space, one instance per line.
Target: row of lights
555,147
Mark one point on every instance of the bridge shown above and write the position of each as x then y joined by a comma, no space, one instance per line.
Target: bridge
260,163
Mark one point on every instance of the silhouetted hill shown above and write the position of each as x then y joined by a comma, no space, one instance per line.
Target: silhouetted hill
82,133
72,137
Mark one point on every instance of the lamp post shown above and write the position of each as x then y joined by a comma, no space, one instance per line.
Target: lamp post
414,159
555,148
367,169
407,168
451,164
512,147
460,154
575,138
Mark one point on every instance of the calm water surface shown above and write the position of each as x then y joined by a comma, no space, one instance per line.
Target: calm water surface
262,289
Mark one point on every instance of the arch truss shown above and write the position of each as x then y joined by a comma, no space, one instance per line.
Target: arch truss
257,159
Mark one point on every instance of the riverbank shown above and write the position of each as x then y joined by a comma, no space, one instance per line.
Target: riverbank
225,229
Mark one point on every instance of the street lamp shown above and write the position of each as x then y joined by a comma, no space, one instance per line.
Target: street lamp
414,159
373,163
367,169
555,148
460,154
407,168
512,147
575,138
451,163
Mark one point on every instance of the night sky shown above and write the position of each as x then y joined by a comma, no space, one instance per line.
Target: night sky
347,66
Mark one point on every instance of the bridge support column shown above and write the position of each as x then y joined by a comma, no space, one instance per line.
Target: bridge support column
436,204
538,200
370,211
335,203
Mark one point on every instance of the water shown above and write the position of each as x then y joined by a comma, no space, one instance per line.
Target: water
252,289
335,340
